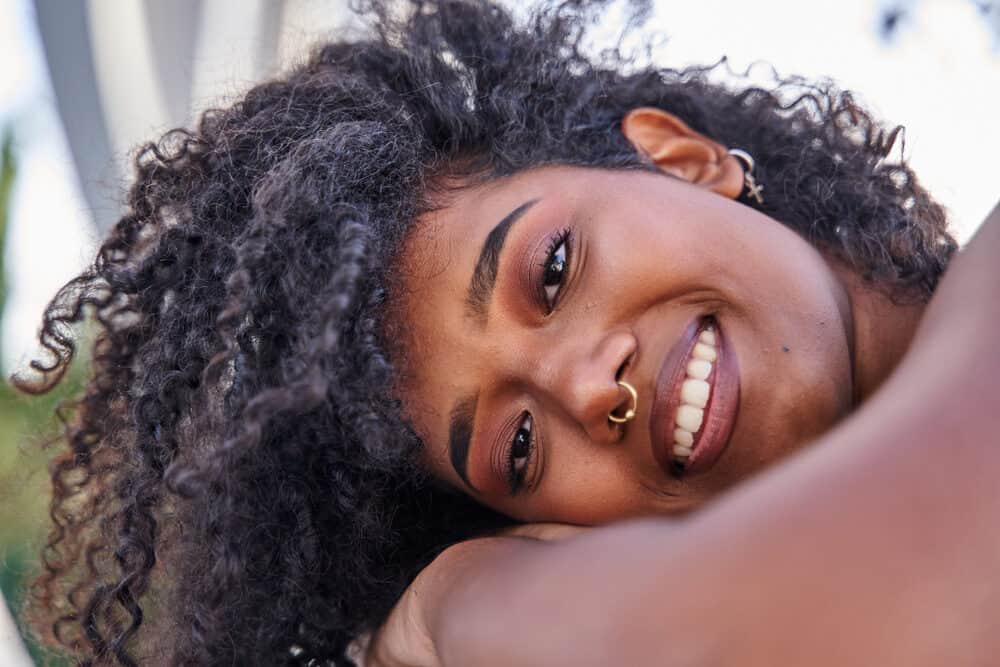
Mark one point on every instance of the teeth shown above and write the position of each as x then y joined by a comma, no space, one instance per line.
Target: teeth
689,418
703,351
699,369
695,392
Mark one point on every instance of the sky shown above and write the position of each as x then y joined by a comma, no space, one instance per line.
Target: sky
939,76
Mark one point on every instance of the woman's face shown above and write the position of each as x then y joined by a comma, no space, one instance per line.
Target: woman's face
527,298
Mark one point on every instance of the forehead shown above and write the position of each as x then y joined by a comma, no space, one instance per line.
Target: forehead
442,345
453,232
466,212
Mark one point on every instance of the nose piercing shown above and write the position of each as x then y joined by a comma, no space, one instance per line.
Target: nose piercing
630,413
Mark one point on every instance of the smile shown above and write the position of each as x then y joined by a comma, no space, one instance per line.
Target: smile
697,394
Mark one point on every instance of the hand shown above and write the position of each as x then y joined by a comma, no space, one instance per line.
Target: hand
406,638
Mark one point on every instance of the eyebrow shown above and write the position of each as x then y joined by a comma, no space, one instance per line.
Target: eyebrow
460,423
484,275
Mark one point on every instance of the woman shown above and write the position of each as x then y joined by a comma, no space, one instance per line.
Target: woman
456,279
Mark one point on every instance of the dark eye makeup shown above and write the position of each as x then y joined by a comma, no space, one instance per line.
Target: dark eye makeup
550,281
555,268
519,453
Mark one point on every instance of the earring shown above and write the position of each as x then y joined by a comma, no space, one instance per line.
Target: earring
749,182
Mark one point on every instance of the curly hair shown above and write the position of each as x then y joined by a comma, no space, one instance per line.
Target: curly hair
239,484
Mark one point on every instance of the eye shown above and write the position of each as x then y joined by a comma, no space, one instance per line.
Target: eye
519,454
555,268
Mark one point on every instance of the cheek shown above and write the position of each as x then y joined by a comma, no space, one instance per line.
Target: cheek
798,376
795,376
791,322
592,488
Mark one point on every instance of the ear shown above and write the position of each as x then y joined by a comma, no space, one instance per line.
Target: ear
678,150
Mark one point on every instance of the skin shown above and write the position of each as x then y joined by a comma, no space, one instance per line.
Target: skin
647,254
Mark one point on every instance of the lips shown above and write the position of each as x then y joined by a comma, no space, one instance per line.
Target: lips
712,437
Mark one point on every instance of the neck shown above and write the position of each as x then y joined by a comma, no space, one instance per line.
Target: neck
882,331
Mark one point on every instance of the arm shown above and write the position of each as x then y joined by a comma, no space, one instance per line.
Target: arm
879,547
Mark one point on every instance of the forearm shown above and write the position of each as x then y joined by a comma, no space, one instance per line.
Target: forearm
879,546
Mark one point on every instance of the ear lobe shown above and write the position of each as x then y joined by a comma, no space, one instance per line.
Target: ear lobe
678,150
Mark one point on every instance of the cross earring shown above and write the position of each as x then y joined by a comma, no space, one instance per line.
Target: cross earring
754,190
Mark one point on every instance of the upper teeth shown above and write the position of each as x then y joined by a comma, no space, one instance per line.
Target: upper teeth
695,391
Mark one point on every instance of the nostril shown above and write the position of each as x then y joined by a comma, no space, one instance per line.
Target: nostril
620,373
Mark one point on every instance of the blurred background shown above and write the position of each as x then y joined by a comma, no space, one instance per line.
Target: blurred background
84,82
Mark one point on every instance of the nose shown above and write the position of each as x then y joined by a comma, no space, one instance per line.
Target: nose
585,382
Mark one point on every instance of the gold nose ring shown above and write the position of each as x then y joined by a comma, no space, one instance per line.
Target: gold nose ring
630,413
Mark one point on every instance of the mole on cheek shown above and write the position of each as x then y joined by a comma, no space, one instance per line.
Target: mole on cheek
785,348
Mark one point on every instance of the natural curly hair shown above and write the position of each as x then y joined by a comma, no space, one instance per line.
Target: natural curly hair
238,484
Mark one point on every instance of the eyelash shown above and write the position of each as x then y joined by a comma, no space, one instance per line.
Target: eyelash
562,238
515,476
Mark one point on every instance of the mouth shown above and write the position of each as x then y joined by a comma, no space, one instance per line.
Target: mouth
695,401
